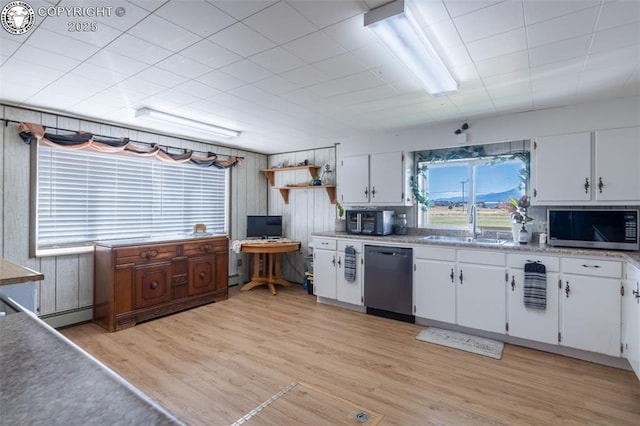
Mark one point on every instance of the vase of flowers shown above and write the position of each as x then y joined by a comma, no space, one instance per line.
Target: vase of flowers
340,223
519,218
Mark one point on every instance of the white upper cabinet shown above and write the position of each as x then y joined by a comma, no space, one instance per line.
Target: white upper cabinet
561,169
378,179
617,154
573,169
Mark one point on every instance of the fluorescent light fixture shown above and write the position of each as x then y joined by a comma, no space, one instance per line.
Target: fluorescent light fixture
395,25
186,123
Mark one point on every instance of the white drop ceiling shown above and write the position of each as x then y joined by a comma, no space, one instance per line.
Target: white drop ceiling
300,74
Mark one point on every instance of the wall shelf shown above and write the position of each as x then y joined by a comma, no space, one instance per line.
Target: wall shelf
270,173
284,191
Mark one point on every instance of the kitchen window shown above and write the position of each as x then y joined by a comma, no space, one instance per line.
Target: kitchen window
447,182
83,196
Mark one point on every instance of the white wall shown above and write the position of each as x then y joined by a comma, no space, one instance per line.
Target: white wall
68,283
570,119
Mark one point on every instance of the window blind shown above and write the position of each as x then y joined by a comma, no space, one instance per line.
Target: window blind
85,196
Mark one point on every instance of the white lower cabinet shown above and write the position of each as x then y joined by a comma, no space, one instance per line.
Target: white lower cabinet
631,318
590,305
434,283
481,297
324,267
349,291
329,279
527,323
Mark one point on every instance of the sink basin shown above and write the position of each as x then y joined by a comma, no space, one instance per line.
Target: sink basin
469,240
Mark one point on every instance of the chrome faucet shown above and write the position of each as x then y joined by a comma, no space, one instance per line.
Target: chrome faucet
473,220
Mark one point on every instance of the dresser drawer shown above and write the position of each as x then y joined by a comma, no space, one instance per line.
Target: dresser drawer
592,267
144,254
324,243
201,248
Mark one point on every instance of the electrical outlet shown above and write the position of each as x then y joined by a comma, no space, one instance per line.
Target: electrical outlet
239,262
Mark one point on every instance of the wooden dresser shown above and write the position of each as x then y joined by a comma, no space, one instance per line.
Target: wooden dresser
137,280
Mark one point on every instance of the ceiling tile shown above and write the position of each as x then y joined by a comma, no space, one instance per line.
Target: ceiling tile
305,76
562,28
138,49
132,15
458,8
501,44
350,33
314,47
219,80
116,62
8,46
170,98
161,77
163,33
198,17
197,89
538,11
246,71
616,37
45,58
280,23
576,47
340,66
492,20
242,9
431,12
82,30
626,58
140,86
242,40
184,66
322,15
66,46
104,75
615,14
503,64
210,54
276,85
352,83
277,60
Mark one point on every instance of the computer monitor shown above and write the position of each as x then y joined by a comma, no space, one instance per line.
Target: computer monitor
264,226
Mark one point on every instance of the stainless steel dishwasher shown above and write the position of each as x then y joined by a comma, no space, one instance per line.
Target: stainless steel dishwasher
388,282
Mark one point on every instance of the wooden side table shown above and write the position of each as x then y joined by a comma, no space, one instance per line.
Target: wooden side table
269,253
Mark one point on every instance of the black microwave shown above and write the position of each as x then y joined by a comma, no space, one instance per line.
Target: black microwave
370,222
603,229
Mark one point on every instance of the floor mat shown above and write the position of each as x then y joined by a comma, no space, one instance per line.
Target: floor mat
303,404
465,342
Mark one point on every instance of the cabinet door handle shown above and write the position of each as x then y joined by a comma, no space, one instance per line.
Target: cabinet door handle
567,289
333,260
636,293
373,192
203,275
586,185
366,191
600,184
513,282
452,275
154,285
339,262
460,277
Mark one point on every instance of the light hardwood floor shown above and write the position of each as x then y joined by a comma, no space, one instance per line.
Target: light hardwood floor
213,364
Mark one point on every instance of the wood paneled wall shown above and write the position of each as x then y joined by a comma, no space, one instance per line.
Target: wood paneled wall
309,210
68,283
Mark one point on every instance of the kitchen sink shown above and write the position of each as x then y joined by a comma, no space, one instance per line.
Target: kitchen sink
469,240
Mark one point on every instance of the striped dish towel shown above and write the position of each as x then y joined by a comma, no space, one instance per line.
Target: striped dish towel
350,264
535,285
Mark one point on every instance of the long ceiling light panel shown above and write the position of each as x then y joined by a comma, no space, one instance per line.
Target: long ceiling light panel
395,25
186,123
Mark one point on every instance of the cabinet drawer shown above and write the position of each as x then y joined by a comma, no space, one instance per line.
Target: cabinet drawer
324,243
143,254
592,267
199,248
482,257
344,243
552,263
434,253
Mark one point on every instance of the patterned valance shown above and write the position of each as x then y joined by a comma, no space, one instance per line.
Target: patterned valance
30,132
